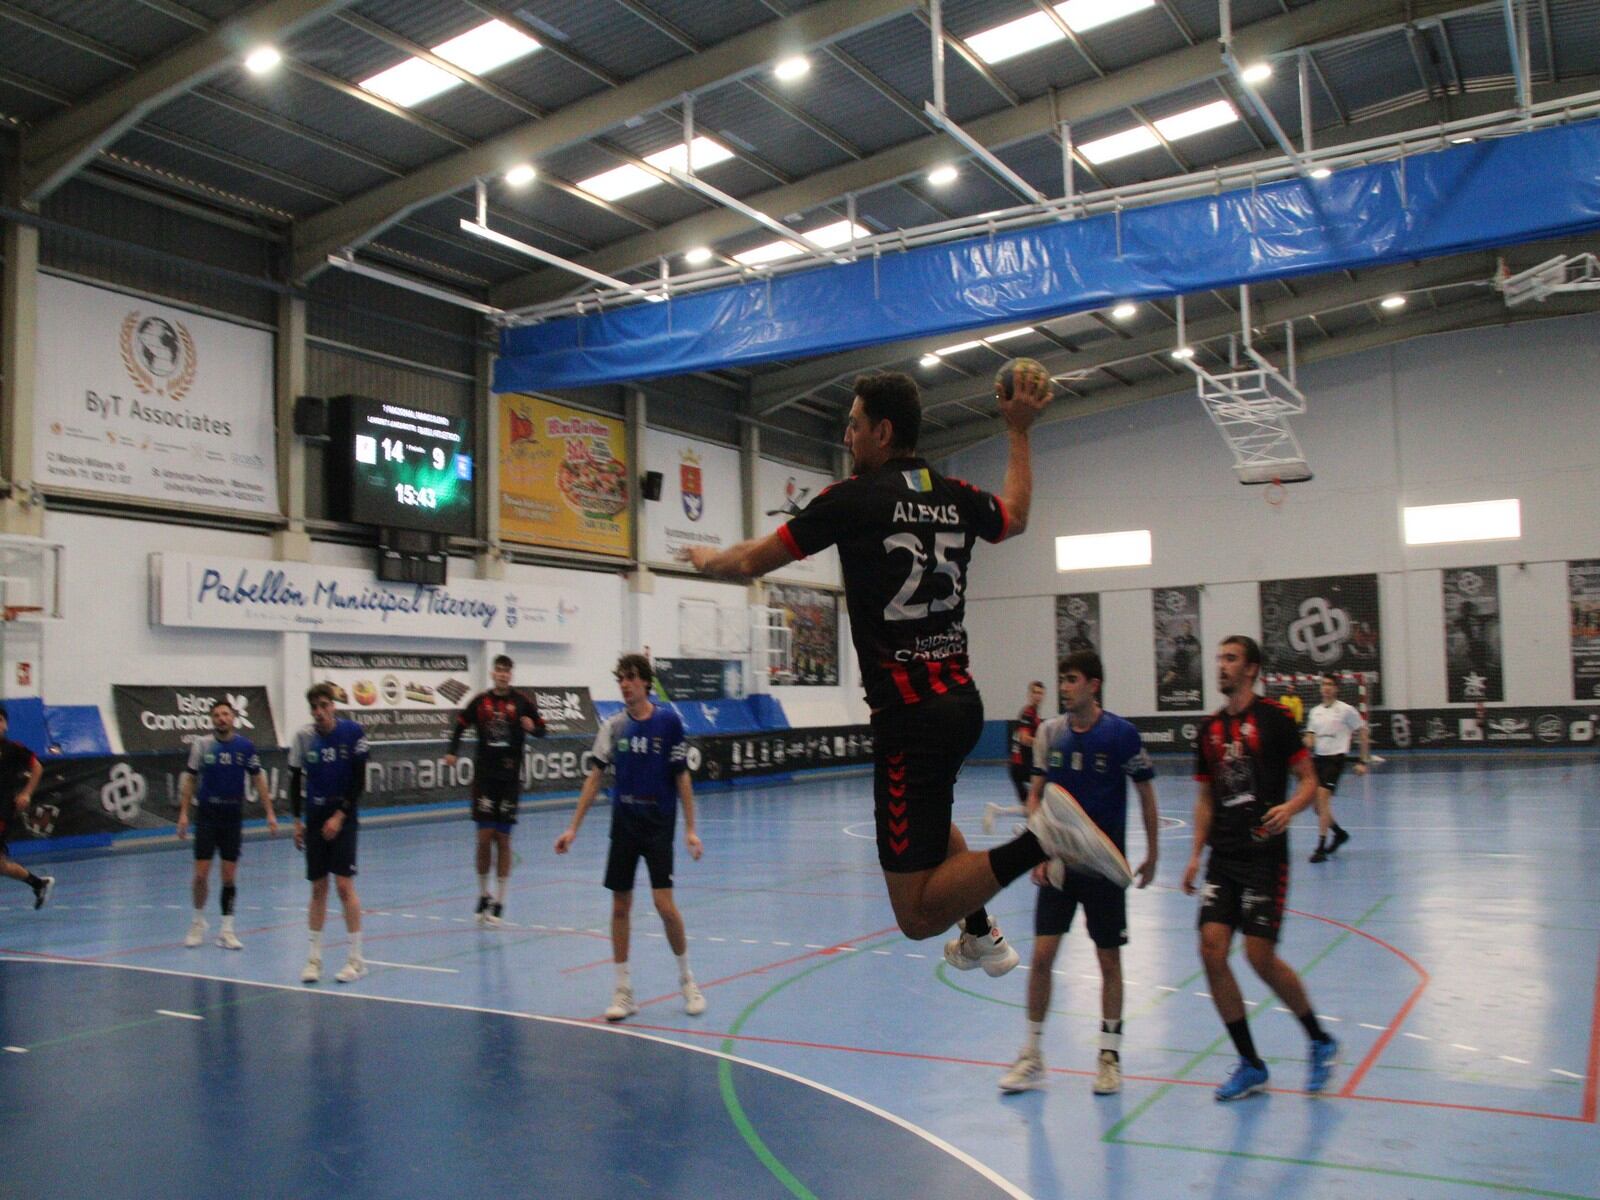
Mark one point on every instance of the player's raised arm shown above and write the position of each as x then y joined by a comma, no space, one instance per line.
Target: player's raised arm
1020,405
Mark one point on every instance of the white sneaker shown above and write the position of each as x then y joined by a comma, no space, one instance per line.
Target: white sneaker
622,1005
694,1000
196,934
1069,835
228,940
990,951
312,971
991,810
1108,1079
351,971
1026,1074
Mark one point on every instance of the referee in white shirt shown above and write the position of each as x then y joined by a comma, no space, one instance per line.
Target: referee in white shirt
1329,726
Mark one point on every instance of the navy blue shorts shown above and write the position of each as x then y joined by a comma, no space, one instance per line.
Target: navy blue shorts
336,857
218,837
628,847
1105,910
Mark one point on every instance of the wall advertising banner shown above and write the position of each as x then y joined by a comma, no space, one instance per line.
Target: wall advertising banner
1311,626
1179,655
169,718
1583,594
565,710
1472,647
396,697
698,678
814,627
564,478
781,492
211,592
1077,623
701,501
140,401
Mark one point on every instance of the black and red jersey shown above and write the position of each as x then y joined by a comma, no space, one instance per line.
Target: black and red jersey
497,720
1027,722
1246,758
905,536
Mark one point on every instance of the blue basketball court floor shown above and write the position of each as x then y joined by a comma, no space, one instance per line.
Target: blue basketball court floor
1452,946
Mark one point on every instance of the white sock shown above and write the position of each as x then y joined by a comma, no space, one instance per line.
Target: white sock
200,913
622,975
684,973
316,943
355,946
500,889
483,884
227,923
1111,1036
1035,1032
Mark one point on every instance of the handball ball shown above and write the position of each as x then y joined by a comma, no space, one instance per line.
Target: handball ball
1026,368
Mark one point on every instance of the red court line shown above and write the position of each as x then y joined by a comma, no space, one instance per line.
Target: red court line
782,962
1191,1083
1589,1088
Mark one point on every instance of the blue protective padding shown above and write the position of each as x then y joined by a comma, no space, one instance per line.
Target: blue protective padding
77,729
1500,192
703,718
26,724
994,744
767,712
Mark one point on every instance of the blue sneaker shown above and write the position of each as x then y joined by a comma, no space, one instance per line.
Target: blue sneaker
1246,1080
1323,1055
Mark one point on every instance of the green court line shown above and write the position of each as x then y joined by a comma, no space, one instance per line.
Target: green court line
730,1098
1390,1172
1114,1133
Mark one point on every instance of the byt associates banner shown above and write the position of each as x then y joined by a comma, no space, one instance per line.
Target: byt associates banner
143,402
563,477
1179,655
1312,626
1583,594
1077,623
1472,647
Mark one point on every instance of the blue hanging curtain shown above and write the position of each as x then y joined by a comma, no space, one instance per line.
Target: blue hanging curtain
1486,194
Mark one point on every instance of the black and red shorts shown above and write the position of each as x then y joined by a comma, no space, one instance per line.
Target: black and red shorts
918,750
1245,895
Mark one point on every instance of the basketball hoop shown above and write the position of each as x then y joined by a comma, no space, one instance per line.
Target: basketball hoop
1276,493
12,612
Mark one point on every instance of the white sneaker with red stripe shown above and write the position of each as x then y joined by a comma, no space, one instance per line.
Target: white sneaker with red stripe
989,950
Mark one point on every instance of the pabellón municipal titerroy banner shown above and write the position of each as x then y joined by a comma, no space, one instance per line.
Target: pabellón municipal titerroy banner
141,401
206,592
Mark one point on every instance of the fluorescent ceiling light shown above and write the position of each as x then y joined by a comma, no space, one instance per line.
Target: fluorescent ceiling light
1393,302
1123,311
1257,72
940,176
700,254
262,59
1197,120
827,236
929,360
478,51
1009,334
1084,15
1037,29
1479,521
792,68
629,179
1090,551
958,348
1183,353
1119,145
1321,173
522,173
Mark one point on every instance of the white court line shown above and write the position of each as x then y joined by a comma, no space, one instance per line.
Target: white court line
183,1016
1568,1074
16,1049
1379,1028
378,962
1417,1037
988,1173
1521,1062
1469,1049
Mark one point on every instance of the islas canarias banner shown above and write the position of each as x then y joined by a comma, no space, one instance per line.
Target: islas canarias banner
563,477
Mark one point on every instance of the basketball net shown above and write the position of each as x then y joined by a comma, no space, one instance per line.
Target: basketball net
1276,493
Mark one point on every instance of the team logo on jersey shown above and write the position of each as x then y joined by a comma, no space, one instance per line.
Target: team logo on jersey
1102,763
158,355
1055,758
920,480
691,485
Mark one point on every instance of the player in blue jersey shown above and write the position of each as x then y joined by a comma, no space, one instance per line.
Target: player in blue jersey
20,771
1091,753
328,765
645,745
221,765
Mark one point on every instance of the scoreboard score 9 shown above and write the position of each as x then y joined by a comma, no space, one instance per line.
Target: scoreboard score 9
409,467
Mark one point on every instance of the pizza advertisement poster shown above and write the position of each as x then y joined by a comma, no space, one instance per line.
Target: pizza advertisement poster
563,477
